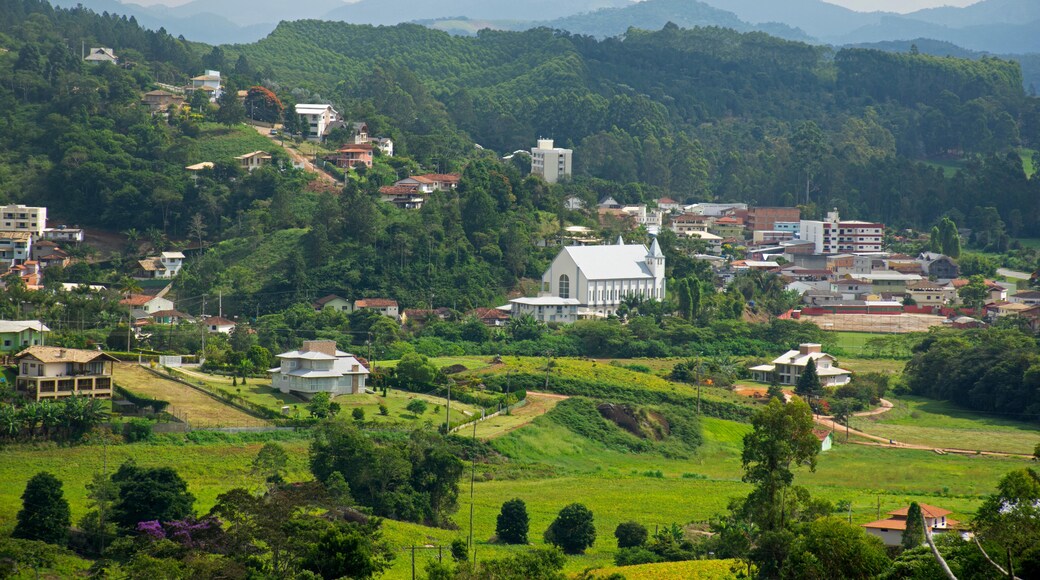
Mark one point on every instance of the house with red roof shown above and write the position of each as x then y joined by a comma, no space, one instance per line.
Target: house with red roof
384,306
891,529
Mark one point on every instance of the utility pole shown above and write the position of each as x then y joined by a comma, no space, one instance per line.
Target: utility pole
472,478
447,410
220,304
548,360
203,327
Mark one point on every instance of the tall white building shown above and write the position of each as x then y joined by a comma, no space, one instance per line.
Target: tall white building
592,281
552,163
21,218
319,367
316,119
833,236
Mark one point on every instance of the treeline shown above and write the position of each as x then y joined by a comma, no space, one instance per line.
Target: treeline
991,371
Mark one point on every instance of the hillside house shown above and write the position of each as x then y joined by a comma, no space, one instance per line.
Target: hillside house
789,367
941,266
16,335
492,317
164,266
158,100
219,324
384,306
430,182
316,119
147,303
352,155
101,54
402,196
209,82
384,144
334,302
319,367
51,372
171,316
668,204
547,309
15,247
253,160
64,234
825,436
1027,297
891,529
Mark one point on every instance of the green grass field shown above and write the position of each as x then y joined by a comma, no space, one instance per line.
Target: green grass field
256,391
1027,161
220,143
940,424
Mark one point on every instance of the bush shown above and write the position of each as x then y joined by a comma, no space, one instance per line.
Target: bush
45,514
459,550
383,410
630,535
512,524
573,529
635,556
417,406
136,430
358,414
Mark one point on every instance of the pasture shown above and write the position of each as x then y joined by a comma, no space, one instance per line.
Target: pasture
186,403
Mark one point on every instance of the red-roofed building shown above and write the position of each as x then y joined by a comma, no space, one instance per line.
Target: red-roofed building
352,155
431,182
491,316
890,530
147,303
384,306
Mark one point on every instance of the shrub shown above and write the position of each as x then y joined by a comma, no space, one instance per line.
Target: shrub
573,529
635,556
459,550
417,406
136,430
512,524
383,410
45,514
630,535
358,414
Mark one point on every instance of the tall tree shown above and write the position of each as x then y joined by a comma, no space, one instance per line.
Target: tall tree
511,525
45,514
150,493
809,381
913,535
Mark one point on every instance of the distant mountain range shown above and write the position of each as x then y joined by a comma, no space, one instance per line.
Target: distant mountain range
995,27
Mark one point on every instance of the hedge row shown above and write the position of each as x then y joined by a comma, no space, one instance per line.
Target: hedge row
157,405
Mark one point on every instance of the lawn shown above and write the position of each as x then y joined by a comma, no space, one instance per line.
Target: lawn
535,406
220,143
858,343
396,401
186,403
941,424
256,391
872,365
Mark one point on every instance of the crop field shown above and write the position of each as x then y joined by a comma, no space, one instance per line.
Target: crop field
940,424
198,409
877,323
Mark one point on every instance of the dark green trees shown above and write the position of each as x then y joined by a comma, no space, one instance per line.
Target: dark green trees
913,535
512,524
573,529
150,493
630,534
809,381
45,512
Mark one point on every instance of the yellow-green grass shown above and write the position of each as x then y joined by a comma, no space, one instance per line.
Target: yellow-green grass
1033,243
473,363
186,403
1027,161
220,143
689,570
940,424
534,407
873,365
256,391
396,401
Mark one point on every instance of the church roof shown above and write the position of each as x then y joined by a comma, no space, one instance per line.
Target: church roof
613,262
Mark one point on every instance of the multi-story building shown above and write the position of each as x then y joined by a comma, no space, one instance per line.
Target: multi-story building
319,367
552,163
765,218
833,236
316,119
209,83
51,372
21,218
254,160
788,368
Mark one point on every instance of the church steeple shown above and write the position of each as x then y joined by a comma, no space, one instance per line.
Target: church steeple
655,259
620,241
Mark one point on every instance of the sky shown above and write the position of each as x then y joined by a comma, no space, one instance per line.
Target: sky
901,6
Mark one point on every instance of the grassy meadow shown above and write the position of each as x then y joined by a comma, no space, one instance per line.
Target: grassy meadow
548,465
220,143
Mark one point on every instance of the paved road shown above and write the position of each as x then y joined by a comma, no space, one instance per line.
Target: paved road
1013,274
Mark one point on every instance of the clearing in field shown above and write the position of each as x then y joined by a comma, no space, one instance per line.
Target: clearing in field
199,409
881,323
537,405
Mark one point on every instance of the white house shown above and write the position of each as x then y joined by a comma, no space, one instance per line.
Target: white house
163,266
149,304
101,54
385,144
64,234
208,82
253,160
22,218
219,324
573,203
1027,297
319,367
384,306
316,119
334,302
789,367
891,530
600,277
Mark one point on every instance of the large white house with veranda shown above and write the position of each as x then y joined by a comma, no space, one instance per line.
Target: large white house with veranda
592,281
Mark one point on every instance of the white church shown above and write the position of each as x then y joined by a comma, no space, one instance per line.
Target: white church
592,281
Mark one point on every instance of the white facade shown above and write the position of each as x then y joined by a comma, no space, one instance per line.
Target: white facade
552,163
63,234
209,82
714,209
600,277
21,218
316,119
547,309
833,236
172,262
788,368
15,247
319,367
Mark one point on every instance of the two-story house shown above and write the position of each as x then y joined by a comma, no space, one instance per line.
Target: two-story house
51,372
319,367
164,266
891,529
253,160
316,119
16,335
789,367
208,83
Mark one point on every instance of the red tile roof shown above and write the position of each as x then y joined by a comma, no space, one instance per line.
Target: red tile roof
376,303
136,300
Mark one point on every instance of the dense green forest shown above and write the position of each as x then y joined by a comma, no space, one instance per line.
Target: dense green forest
701,114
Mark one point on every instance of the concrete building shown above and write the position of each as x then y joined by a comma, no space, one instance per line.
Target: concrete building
208,82
100,54
891,530
21,218
51,372
319,367
789,367
254,160
552,163
316,119
833,236
547,308
16,335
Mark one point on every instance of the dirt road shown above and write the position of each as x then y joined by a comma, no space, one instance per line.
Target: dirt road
537,405
299,159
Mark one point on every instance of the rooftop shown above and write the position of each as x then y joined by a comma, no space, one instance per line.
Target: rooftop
55,354
613,262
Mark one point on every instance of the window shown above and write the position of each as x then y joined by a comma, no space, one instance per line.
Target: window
565,286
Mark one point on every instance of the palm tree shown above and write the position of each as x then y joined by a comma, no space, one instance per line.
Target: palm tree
132,237
128,286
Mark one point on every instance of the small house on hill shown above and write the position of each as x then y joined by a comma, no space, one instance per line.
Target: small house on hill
890,530
319,367
51,372
334,302
825,437
789,367
384,306
101,54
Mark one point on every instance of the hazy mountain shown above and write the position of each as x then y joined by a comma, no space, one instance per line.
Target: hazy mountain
203,27
815,17
251,12
654,14
396,11
985,12
997,38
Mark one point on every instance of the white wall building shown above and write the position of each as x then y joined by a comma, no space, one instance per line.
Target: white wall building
208,82
21,218
316,119
319,367
600,277
547,308
552,163
833,236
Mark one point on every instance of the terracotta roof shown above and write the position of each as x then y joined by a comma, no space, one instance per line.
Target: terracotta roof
376,303
55,354
399,190
326,299
928,510
358,147
137,300
490,314
666,200
218,321
821,434
442,176
170,314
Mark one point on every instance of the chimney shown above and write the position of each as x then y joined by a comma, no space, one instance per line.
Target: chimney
61,353
809,348
323,346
